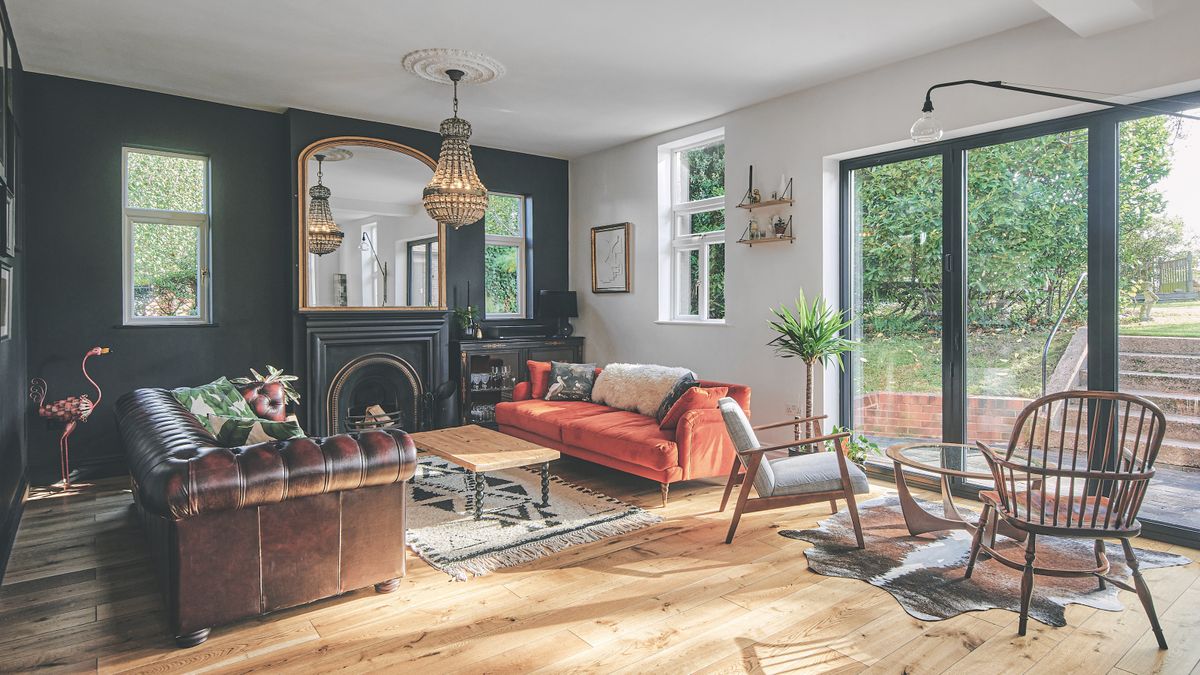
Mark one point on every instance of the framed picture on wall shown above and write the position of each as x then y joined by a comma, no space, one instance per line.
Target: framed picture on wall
610,258
6,301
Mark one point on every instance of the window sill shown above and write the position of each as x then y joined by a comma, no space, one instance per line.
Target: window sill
685,322
167,325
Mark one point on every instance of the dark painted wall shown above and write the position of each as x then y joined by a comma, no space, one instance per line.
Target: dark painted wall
13,374
74,138
73,142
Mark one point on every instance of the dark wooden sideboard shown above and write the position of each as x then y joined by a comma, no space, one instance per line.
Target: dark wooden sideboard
479,395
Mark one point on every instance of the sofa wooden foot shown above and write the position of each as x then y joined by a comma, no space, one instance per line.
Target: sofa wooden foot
664,488
387,586
191,639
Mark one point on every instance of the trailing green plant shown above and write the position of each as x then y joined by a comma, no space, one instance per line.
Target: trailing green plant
812,334
858,447
273,375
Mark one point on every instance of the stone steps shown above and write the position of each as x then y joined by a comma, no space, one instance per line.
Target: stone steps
1179,452
1172,404
1159,345
1148,362
1166,383
1183,428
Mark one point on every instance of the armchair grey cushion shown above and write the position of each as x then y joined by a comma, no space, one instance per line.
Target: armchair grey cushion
816,472
803,474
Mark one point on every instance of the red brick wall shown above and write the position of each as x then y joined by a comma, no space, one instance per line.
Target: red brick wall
909,415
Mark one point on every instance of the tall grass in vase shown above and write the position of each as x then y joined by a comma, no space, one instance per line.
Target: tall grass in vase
812,333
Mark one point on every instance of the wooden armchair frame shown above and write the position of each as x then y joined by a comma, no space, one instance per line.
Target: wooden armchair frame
752,459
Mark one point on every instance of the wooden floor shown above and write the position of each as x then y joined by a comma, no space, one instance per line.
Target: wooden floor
672,598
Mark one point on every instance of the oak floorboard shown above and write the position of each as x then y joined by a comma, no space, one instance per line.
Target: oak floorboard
672,597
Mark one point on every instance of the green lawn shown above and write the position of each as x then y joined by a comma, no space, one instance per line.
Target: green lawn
1168,319
1006,363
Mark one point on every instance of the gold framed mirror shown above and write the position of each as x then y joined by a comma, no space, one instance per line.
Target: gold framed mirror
391,255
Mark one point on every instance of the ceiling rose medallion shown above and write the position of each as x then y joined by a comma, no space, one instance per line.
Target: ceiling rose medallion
455,196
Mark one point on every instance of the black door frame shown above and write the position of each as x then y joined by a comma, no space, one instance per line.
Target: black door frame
1103,228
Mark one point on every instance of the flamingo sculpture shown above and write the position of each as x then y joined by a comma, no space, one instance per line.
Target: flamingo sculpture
70,411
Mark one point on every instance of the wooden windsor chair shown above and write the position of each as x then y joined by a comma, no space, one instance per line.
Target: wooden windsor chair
1078,464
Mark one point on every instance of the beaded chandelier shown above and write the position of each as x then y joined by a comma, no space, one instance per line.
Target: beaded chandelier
324,235
455,196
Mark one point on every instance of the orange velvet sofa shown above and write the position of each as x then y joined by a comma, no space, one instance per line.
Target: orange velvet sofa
698,447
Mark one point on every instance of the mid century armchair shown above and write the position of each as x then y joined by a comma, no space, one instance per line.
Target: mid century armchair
1078,464
793,480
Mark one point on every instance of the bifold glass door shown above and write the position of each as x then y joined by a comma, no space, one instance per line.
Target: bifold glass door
1026,283
983,272
1158,314
896,226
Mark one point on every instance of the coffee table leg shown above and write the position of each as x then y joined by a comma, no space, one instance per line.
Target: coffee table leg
545,483
478,480
920,521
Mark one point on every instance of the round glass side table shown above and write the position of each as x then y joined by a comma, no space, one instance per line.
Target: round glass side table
936,458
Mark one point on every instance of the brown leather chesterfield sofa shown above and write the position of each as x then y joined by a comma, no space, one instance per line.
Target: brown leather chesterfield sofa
237,532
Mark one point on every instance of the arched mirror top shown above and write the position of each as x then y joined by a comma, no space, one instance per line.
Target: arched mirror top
390,255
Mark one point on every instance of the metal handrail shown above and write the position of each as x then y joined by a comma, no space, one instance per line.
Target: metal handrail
1054,331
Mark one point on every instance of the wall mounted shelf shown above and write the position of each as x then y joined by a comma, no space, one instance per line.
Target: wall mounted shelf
764,204
766,240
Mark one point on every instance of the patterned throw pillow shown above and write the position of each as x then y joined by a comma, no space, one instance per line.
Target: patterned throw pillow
218,397
696,398
232,432
571,381
680,388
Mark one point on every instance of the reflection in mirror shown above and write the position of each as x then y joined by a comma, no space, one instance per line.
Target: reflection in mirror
389,256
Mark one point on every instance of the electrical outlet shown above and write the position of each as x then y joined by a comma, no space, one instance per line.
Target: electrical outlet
792,409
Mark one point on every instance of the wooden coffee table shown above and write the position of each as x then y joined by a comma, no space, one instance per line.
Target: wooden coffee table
479,450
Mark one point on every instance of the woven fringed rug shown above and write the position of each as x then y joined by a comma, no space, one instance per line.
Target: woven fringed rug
925,573
515,528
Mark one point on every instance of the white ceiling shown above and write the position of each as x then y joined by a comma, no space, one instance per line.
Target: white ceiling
582,75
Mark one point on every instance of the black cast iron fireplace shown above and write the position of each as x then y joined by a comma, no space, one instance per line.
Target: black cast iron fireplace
375,390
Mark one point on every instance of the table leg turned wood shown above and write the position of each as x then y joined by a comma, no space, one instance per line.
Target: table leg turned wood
477,479
545,484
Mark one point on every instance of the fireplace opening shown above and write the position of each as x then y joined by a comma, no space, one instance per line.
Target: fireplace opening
375,391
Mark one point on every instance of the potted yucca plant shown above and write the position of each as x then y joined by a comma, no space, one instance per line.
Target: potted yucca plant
813,333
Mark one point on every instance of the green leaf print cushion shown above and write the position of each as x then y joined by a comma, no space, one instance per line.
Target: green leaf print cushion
234,432
218,397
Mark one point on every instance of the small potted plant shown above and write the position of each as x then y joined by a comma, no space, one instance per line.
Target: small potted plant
465,317
858,447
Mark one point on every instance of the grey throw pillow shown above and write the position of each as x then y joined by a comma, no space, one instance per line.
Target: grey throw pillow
571,381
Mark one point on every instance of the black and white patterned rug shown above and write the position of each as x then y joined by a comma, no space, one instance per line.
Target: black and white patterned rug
515,528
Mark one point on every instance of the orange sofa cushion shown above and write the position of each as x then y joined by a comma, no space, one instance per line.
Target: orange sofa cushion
546,418
539,378
696,398
626,436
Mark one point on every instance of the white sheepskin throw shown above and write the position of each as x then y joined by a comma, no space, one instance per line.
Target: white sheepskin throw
635,387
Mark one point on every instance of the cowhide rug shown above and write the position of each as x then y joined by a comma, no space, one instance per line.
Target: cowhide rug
925,572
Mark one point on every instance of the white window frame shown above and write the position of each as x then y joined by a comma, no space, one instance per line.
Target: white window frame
518,241
676,242
131,216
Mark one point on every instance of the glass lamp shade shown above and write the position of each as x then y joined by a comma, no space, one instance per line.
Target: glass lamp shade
455,196
324,235
926,129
